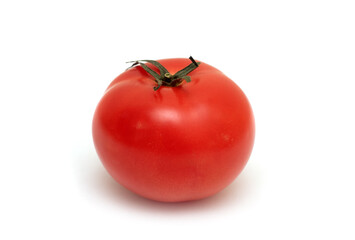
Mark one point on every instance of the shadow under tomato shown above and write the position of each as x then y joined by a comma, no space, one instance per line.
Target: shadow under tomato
98,182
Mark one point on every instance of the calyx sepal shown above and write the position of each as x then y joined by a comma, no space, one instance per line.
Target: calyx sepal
164,78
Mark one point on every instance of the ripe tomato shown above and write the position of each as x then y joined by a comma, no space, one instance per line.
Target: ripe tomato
178,143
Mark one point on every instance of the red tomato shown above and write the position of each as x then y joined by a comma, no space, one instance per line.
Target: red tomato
177,143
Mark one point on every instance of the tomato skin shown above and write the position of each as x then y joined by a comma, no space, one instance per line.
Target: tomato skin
177,143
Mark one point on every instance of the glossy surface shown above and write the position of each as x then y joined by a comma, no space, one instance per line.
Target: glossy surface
178,143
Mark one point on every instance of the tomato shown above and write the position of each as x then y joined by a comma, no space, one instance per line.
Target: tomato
176,143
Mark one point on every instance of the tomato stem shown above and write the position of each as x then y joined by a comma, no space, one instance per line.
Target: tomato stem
164,78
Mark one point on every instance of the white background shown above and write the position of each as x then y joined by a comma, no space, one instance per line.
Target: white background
295,60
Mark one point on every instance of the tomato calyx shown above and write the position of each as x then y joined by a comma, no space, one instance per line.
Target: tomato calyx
164,78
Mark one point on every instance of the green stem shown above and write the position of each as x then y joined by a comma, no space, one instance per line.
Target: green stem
164,78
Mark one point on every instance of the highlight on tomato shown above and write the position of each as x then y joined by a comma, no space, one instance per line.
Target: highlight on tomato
173,130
